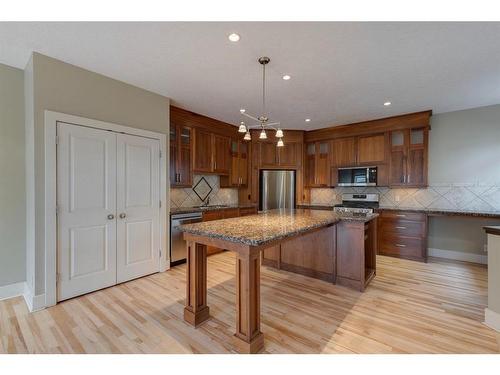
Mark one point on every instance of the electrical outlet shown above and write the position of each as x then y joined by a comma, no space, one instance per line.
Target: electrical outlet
397,198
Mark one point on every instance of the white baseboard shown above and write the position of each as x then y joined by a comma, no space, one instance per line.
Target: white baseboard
34,303
458,255
492,319
12,290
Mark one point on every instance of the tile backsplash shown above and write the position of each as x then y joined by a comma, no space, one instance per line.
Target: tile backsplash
186,197
463,197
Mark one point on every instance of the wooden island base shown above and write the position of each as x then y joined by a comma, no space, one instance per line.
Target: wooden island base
335,250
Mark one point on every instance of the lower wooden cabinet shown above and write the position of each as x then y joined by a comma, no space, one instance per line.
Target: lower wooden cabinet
344,253
403,234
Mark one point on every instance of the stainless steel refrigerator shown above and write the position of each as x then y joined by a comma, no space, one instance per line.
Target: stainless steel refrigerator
277,189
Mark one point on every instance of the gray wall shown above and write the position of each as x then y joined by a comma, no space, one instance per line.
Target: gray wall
12,186
464,147
62,87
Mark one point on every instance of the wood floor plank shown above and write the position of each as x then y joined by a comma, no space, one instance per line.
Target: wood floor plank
410,307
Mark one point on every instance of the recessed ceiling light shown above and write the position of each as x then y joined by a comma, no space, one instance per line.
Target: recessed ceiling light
233,37
387,104
308,120
286,77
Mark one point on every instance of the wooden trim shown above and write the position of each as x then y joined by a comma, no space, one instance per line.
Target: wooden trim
196,120
406,121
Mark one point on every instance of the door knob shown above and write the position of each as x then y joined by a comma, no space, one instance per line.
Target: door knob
122,215
111,217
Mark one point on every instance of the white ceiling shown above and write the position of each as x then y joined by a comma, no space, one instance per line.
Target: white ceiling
341,72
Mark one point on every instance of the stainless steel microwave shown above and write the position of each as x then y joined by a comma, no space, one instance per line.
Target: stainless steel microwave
357,176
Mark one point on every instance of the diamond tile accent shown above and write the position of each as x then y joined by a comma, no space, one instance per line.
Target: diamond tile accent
186,197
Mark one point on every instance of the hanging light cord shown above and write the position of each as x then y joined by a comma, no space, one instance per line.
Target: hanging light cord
264,90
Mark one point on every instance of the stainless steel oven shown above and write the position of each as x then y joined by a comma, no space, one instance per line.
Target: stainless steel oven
177,243
357,176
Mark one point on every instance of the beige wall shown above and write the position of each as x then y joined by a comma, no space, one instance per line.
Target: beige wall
61,87
463,148
494,273
12,186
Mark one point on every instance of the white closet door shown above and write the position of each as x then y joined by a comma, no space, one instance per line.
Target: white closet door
86,199
138,199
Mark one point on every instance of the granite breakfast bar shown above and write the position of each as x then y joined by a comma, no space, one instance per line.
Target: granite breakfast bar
322,244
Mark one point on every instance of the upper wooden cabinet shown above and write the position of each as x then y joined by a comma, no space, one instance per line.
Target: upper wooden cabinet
238,174
344,152
371,149
211,153
408,160
180,155
317,164
271,156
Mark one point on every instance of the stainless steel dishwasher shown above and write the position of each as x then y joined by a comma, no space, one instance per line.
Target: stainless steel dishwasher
177,243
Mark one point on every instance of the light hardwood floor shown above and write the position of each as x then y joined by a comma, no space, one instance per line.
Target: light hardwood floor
409,307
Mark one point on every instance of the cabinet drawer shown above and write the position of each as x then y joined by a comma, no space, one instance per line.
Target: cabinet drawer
248,211
212,215
232,212
403,215
401,246
402,227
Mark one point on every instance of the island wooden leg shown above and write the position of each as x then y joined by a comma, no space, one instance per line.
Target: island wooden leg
196,310
248,337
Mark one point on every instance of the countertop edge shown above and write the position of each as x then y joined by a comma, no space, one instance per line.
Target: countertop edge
490,229
258,243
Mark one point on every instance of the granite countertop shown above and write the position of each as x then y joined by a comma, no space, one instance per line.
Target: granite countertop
186,210
429,211
492,229
255,230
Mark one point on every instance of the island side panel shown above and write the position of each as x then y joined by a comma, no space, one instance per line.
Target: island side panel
351,254
311,254
196,310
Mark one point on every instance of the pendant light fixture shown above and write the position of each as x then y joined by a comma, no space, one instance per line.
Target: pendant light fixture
262,120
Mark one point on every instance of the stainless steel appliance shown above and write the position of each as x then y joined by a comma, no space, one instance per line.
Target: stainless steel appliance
358,176
357,204
177,243
277,189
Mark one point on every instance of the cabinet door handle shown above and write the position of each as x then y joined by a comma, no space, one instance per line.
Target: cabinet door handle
122,215
400,215
400,245
111,217
179,177
400,227
404,179
408,178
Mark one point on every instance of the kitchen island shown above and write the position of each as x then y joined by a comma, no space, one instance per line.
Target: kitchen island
337,244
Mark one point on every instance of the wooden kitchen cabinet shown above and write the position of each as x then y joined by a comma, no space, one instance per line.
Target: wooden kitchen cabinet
211,153
289,154
317,166
181,174
408,157
238,174
371,149
271,156
221,155
344,152
403,234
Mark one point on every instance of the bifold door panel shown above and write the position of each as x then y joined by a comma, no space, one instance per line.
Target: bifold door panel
108,208
138,198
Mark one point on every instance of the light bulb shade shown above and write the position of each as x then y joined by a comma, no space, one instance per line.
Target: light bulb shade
247,136
263,134
242,128
280,143
279,133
